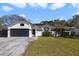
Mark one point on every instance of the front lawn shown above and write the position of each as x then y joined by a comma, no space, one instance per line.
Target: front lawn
50,46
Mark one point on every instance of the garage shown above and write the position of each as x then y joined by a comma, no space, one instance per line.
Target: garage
19,32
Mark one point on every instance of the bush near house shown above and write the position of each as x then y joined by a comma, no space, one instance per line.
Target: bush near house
46,33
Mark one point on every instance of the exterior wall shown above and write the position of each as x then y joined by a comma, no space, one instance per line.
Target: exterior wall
76,31
53,33
30,33
38,33
17,26
28,26
69,32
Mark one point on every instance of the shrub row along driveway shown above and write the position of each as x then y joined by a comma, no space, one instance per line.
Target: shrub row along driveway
53,46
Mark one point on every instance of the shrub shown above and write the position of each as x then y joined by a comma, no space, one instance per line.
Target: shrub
46,33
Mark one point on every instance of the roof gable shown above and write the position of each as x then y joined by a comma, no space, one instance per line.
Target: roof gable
19,22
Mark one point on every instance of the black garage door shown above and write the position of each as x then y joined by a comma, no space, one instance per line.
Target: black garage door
19,32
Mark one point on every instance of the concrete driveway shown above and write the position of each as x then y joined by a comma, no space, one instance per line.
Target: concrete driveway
13,46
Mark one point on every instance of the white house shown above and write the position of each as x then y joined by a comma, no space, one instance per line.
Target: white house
76,31
27,29
20,29
40,28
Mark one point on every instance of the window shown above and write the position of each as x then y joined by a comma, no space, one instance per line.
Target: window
21,24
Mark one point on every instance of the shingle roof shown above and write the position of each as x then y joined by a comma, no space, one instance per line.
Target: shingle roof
52,27
19,22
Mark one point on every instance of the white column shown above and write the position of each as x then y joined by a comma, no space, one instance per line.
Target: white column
30,32
8,32
69,32
36,32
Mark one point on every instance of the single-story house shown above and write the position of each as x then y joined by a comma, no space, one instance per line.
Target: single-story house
27,29
40,28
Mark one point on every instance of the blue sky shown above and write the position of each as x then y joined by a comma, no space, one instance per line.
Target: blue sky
36,12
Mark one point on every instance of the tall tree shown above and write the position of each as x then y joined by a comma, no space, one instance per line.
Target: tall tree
55,22
74,21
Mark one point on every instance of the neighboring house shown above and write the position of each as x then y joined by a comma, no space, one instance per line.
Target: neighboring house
3,31
27,29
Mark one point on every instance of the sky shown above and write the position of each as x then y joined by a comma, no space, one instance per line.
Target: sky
37,12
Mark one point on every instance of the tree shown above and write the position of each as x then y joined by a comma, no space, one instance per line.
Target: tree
58,22
74,21
47,22
55,22
1,23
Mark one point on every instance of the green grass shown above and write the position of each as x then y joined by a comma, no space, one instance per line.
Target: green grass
50,46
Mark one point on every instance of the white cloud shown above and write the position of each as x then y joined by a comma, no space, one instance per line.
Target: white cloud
77,13
23,15
19,5
6,8
32,4
75,5
43,5
57,5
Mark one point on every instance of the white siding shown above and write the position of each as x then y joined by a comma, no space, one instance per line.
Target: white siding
76,31
38,33
53,32
17,26
30,33
68,32
8,32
